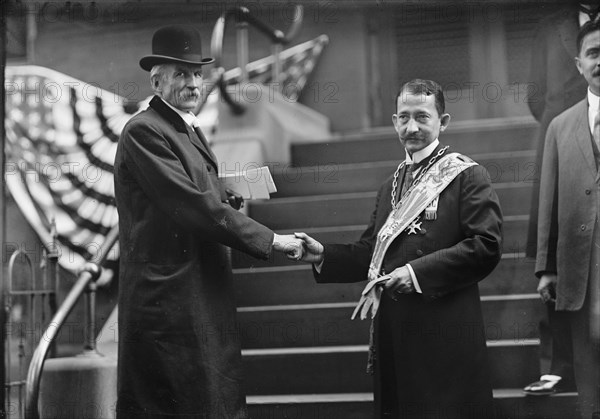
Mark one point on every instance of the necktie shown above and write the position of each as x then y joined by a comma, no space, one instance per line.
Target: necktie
408,177
596,133
205,143
199,133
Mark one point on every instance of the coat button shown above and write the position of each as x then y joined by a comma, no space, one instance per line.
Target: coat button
419,253
583,227
587,191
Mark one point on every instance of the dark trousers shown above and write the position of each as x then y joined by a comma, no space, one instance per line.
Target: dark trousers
586,356
556,345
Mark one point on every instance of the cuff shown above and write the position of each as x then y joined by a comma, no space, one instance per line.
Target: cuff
414,279
318,266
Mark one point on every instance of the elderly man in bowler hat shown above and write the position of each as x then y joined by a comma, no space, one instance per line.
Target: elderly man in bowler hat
179,348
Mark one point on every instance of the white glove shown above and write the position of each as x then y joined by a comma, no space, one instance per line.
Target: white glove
370,298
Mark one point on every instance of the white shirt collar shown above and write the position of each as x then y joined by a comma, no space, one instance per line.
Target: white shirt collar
593,105
583,18
188,117
593,101
418,156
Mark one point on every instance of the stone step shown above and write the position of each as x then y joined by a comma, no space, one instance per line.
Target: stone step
341,369
296,285
515,237
513,317
468,137
334,178
508,404
356,208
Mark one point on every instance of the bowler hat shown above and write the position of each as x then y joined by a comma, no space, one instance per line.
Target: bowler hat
175,44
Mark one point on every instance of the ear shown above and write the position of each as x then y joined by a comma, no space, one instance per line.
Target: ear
444,121
155,84
395,121
578,64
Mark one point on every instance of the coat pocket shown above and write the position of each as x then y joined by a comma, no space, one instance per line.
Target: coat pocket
159,272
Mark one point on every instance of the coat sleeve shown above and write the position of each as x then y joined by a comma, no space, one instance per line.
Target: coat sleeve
548,206
162,177
477,254
350,262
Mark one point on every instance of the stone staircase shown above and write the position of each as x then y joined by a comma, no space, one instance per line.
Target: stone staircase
304,357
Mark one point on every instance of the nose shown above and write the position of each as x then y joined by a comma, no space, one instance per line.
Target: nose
193,81
412,126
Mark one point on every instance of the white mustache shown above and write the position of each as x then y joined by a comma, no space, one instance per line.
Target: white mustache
188,95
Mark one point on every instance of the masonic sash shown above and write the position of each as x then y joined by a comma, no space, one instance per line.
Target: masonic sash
420,196
437,178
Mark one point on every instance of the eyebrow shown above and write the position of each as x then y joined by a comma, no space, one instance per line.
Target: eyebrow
417,112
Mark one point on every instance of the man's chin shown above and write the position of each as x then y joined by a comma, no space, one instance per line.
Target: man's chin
414,145
189,105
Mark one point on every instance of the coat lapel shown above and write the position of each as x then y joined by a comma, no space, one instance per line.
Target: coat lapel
199,140
179,124
583,137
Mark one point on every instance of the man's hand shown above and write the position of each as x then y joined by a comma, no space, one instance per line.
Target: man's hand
313,250
290,245
547,288
235,200
400,282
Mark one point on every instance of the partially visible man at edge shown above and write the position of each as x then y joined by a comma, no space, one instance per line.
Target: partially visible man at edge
179,350
568,243
436,231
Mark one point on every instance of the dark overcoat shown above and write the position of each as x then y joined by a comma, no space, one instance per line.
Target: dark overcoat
179,347
430,348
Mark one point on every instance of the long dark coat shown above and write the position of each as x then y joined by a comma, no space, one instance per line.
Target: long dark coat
430,349
179,348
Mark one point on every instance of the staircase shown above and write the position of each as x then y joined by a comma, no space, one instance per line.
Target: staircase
304,357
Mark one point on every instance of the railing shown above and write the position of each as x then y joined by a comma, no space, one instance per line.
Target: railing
86,283
30,296
243,18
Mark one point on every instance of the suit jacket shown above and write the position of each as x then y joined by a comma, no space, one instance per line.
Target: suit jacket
449,256
555,85
179,350
568,192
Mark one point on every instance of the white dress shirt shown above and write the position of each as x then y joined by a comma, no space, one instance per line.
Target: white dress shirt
593,105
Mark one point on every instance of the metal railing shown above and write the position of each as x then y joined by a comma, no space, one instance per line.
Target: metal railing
26,299
243,18
86,283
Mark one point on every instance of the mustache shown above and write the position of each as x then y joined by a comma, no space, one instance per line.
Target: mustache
189,94
413,137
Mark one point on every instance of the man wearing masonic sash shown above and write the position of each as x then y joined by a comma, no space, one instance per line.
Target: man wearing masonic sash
436,231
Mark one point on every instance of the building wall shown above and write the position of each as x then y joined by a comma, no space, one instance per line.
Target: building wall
373,48
104,49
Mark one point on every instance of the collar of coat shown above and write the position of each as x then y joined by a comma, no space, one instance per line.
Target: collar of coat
181,126
169,114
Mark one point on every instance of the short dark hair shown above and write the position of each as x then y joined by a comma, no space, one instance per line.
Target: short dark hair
587,28
424,87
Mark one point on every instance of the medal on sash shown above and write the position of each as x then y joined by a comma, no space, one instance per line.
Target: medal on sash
423,195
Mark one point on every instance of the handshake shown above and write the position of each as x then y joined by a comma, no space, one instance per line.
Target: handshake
299,246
